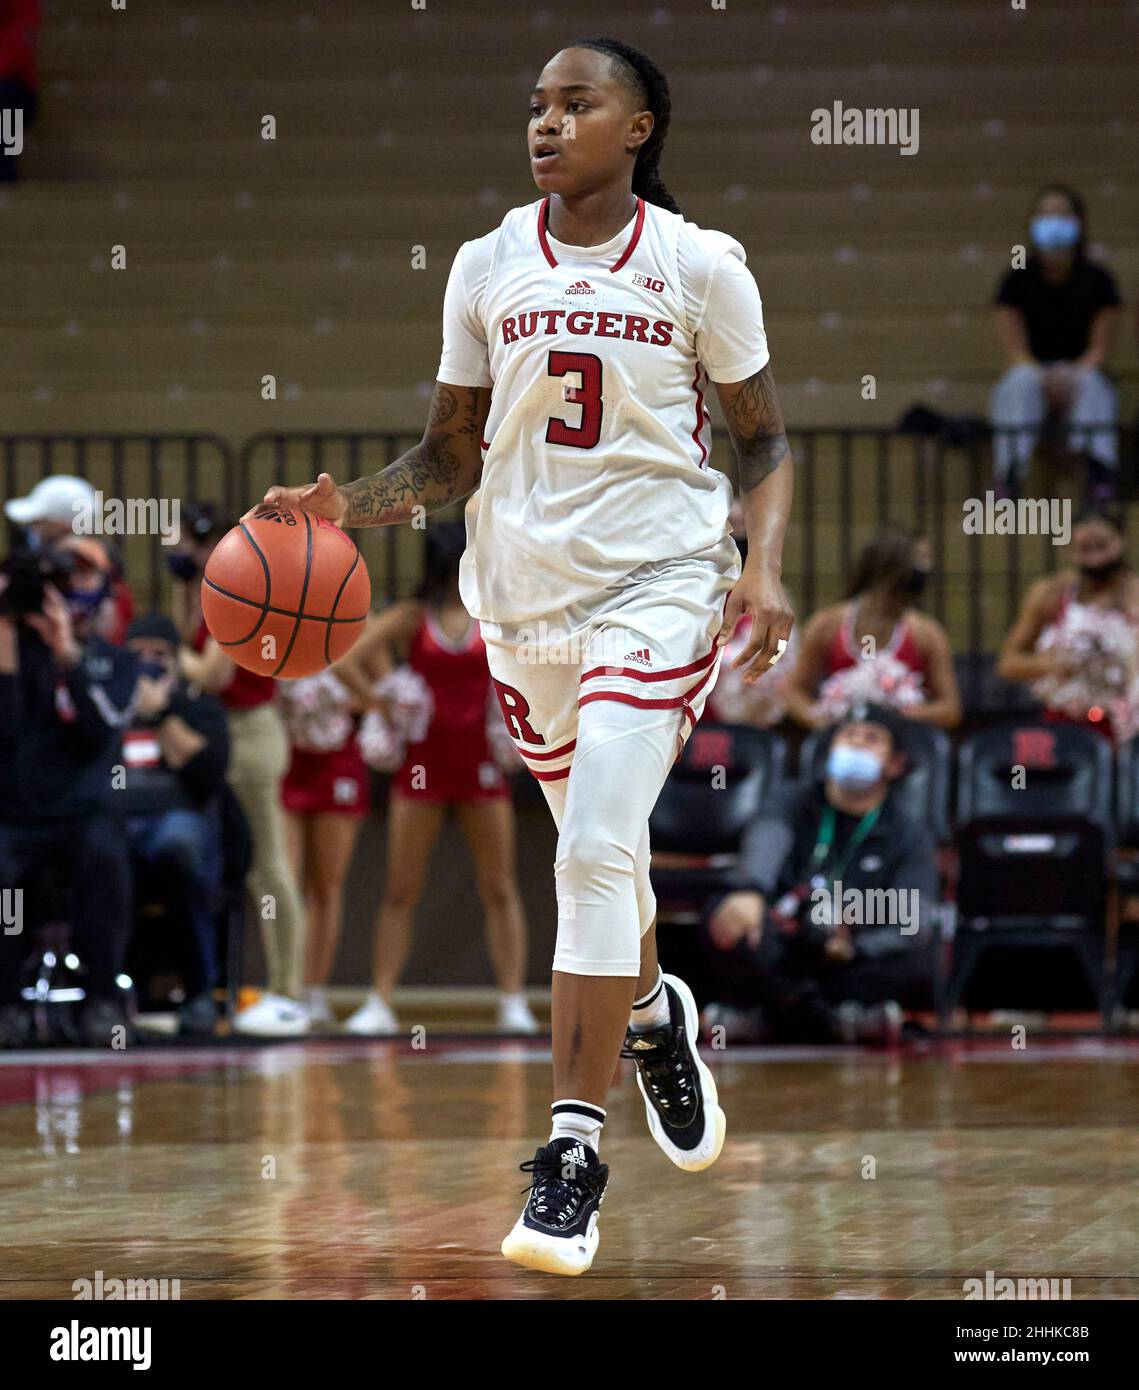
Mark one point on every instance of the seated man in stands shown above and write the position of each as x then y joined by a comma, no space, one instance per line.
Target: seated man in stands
65,695
830,934
174,755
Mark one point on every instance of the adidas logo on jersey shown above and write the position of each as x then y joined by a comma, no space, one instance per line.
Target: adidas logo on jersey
580,287
642,657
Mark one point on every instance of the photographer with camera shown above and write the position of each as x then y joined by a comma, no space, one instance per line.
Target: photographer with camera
829,935
48,514
65,695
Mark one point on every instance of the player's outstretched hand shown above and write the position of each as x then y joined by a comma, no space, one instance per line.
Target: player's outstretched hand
760,593
322,498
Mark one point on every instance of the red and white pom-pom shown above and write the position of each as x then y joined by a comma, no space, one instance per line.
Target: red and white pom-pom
384,735
316,712
1103,670
881,679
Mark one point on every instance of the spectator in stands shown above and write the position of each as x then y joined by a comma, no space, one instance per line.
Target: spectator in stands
1076,640
47,514
1056,324
787,966
877,646
65,696
19,34
174,753
259,756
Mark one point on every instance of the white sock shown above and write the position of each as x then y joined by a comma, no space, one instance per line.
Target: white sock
651,1011
507,1000
577,1119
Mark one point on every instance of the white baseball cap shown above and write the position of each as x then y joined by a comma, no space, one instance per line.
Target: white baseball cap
57,498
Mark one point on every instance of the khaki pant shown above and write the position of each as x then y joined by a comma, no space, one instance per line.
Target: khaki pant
258,760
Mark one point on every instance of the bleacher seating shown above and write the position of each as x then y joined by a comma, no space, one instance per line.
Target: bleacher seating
870,263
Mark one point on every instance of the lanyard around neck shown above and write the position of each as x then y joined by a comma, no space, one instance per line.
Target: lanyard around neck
826,839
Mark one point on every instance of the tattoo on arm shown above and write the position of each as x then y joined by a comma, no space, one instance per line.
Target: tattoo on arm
437,471
756,425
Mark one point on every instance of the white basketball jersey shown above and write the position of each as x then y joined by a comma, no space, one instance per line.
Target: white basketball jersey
595,455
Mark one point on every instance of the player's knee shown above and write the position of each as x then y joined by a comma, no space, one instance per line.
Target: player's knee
588,855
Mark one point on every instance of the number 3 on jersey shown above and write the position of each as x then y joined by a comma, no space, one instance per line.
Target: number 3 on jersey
588,395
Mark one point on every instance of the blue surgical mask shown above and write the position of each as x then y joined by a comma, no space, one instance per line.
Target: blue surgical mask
84,602
1053,231
853,769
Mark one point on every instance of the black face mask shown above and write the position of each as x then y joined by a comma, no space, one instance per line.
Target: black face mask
916,582
182,566
1099,573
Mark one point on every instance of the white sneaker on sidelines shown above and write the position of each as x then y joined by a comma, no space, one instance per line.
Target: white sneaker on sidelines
273,1016
373,1019
316,1002
514,1015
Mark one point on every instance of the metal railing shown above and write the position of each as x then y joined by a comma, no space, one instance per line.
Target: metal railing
849,481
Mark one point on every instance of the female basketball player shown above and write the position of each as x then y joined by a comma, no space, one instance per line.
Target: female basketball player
577,339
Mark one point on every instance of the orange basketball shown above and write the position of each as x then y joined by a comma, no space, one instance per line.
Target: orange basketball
285,593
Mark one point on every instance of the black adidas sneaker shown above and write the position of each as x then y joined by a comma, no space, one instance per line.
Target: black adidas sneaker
557,1231
680,1095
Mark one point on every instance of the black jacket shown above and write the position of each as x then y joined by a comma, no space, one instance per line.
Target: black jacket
60,732
150,785
775,857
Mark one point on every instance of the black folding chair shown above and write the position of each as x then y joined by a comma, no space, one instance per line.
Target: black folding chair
1033,831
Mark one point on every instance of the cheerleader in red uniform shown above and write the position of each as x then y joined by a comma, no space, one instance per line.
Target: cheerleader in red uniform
878,646
325,796
453,765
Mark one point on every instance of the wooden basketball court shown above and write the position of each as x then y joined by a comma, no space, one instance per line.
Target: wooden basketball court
372,1170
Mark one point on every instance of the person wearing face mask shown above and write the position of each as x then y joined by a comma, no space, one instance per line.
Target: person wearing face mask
175,752
65,698
1056,323
1076,639
782,966
878,645
259,759
48,514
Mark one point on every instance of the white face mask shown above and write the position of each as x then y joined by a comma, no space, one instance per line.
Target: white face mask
854,769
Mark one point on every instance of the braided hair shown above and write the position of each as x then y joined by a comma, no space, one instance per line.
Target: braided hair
648,86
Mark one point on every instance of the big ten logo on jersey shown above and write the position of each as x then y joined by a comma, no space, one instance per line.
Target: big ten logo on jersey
649,284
